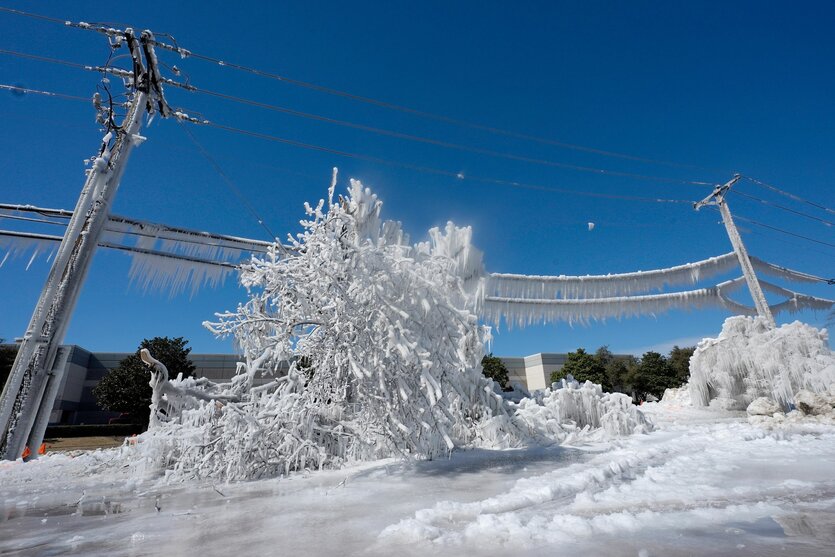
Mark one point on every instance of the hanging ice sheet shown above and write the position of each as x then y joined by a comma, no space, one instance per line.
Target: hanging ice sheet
522,312
605,286
155,272
781,272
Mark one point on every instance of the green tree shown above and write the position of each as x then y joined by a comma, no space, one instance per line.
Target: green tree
679,360
651,376
494,368
583,367
125,388
618,373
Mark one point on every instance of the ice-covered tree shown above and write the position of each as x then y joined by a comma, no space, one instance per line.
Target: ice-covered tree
383,347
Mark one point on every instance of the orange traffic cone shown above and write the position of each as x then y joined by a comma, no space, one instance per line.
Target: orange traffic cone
42,449
26,452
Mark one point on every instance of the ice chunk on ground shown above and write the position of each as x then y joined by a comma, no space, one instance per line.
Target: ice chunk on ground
814,404
679,396
763,407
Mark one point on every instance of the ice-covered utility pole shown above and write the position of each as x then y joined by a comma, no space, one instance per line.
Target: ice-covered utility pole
28,396
718,198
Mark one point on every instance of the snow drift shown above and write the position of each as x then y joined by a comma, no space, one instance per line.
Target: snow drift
749,360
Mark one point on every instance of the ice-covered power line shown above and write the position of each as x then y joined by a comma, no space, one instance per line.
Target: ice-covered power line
371,101
505,285
521,312
120,225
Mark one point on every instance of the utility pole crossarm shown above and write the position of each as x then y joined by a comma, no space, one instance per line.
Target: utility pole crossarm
718,198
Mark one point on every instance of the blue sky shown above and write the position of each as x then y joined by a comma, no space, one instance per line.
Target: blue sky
736,86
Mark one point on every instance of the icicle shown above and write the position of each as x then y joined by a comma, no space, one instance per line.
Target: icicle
15,246
800,302
603,286
151,272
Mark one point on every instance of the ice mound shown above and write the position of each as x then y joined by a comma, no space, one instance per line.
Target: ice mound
679,396
749,360
763,407
569,413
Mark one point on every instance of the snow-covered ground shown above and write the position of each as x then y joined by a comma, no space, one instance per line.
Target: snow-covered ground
703,483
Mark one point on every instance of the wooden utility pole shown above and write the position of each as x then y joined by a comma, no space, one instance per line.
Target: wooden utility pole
29,394
718,198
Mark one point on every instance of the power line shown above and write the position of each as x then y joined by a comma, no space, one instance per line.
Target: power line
18,89
783,208
381,131
33,16
238,193
783,231
30,219
203,238
371,101
46,59
429,170
789,195
441,143
786,241
433,116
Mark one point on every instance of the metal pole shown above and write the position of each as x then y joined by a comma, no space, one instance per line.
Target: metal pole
718,198
33,368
